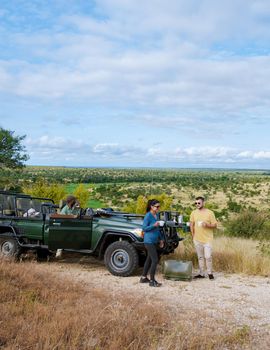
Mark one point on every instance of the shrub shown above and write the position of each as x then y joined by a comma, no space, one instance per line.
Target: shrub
139,206
46,190
249,224
264,247
233,206
82,194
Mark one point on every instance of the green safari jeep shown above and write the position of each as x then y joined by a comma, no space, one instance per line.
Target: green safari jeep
31,223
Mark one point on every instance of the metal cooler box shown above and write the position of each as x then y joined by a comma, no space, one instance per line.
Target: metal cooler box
178,270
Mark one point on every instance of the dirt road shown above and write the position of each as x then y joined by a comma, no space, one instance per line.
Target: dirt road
241,302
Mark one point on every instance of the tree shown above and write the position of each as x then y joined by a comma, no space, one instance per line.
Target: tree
46,190
82,194
139,206
12,152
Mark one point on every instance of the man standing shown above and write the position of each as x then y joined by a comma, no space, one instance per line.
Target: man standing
202,225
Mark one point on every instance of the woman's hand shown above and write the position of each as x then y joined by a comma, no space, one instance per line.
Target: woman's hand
161,244
156,224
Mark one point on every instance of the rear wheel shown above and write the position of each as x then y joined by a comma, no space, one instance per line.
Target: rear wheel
121,258
9,248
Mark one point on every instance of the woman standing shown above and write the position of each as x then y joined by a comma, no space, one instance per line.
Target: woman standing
152,235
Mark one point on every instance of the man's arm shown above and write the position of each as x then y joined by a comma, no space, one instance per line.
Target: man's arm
206,225
192,228
192,224
213,222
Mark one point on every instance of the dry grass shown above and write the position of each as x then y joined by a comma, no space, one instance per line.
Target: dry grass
232,255
38,311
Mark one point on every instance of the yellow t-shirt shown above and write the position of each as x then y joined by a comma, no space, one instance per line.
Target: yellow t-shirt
203,234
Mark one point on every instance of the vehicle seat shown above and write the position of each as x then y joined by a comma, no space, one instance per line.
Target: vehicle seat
36,204
89,212
8,212
23,204
8,205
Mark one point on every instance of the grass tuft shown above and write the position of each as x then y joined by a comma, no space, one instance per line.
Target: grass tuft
230,254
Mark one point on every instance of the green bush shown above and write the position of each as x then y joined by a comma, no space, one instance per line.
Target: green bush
233,206
46,190
249,224
264,247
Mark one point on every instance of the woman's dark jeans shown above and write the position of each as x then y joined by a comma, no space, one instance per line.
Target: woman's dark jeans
151,261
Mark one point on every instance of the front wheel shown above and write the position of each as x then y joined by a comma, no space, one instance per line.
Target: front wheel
121,258
9,248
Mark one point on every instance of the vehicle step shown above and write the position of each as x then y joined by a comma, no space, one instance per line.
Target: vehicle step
83,251
34,246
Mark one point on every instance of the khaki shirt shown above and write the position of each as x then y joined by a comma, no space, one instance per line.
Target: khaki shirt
203,234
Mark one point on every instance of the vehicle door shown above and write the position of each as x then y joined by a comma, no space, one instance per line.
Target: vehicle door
69,232
32,228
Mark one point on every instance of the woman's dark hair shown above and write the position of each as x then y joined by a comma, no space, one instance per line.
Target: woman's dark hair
71,199
150,203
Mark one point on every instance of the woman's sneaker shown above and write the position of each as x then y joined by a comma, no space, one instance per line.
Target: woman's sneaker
154,283
144,280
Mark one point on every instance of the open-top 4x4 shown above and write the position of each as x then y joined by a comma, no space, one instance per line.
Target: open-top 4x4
31,223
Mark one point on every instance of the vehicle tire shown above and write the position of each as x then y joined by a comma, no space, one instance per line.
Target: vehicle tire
9,249
121,258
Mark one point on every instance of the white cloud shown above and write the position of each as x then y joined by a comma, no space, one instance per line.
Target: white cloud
207,20
201,68
206,87
257,155
169,69
245,154
262,155
60,144
59,149
113,149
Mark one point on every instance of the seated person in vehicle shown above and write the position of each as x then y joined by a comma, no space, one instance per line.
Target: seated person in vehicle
72,206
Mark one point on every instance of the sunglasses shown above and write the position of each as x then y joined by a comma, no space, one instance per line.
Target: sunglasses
198,203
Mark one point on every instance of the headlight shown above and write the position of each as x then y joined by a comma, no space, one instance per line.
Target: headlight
138,232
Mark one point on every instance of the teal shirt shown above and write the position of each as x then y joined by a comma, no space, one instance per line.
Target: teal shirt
152,233
66,210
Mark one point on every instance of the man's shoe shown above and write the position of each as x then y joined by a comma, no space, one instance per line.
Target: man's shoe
144,280
198,276
211,276
154,283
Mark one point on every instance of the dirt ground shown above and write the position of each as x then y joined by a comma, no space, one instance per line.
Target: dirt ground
240,302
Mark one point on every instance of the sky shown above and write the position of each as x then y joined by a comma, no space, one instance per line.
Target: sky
137,83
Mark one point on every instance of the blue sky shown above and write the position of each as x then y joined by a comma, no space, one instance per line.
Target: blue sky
138,83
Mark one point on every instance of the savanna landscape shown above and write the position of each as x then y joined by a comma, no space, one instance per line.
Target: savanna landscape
75,303
106,104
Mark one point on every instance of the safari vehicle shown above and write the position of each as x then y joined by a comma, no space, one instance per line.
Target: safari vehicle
31,223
